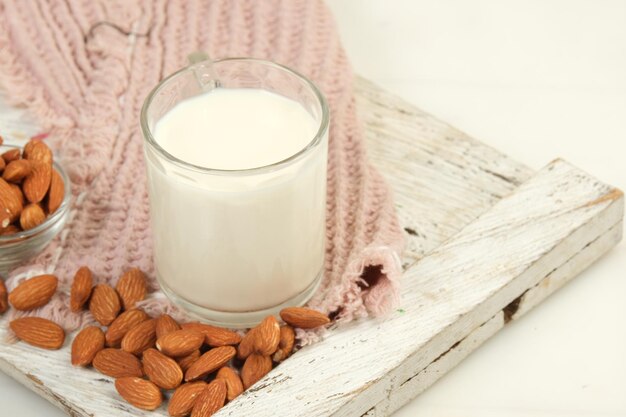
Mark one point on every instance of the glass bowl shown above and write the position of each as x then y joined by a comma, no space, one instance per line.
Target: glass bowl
19,247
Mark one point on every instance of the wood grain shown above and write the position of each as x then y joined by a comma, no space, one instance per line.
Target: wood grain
487,240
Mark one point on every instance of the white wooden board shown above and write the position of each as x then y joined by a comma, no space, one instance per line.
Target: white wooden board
488,240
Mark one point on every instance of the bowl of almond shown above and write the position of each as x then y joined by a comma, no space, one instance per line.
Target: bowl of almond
34,201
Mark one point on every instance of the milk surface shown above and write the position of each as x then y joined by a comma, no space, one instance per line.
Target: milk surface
235,128
238,243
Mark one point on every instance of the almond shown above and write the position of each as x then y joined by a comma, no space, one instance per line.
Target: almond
11,155
139,392
39,332
16,171
255,368
210,400
34,292
140,337
37,183
3,164
185,362
4,303
163,371
9,201
104,304
184,397
81,288
165,324
122,324
234,386
32,216
285,346
267,336
5,218
246,347
56,191
209,362
180,342
117,363
303,318
131,287
87,343
36,150
214,336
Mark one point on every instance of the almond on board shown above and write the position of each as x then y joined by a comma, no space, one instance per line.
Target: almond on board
255,368
234,386
122,324
214,336
184,398
210,400
303,318
131,287
285,346
81,288
104,304
33,292
87,343
139,392
267,336
180,342
116,363
39,332
162,370
140,337
210,362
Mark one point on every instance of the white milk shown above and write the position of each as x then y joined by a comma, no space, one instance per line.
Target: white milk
238,242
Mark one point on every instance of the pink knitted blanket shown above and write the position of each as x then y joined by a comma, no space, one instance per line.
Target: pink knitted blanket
84,67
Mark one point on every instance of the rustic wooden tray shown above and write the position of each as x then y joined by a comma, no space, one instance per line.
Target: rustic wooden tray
488,239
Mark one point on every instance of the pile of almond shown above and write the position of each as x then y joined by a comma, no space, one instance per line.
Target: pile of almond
30,187
205,365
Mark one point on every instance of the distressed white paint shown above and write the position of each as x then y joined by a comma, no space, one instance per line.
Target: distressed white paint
448,188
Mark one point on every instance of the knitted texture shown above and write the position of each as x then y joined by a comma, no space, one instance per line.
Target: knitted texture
84,68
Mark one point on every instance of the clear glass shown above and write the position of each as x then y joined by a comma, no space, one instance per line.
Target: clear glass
20,247
232,246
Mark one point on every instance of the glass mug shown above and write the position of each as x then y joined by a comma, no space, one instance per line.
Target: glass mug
233,246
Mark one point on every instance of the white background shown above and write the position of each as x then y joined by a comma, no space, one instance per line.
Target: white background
537,79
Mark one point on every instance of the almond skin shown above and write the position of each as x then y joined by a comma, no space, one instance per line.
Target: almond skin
140,337
185,362
105,304
209,362
163,371
255,368
81,288
34,292
87,343
210,400
214,336
122,324
184,397
246,347
9,200
16,171
131,287
267,336
32,216
165,324
4,303
303,318
39,332
117,363
37,183
285,346
180,342
139,392
234,386
56,192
